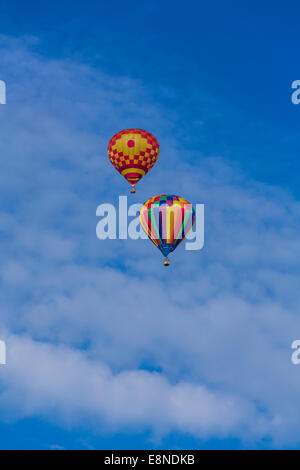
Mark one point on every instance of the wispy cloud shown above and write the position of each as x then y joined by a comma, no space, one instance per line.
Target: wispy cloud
84,318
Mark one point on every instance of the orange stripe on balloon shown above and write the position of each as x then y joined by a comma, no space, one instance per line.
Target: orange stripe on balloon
133,170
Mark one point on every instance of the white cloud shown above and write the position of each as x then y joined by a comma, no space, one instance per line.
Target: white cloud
47,380
217,325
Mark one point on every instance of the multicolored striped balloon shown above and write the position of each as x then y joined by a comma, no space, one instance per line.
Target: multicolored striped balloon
167,220
133,152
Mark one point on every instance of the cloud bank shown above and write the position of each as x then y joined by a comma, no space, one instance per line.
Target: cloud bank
97,331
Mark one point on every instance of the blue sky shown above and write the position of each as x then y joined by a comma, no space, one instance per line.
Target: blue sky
206,362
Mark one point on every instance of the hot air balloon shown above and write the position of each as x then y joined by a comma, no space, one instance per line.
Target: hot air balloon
133,152
167,220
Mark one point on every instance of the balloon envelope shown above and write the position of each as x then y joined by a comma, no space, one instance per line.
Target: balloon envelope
167,220
133,152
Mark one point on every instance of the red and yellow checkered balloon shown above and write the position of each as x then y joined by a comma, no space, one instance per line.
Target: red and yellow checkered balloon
133,152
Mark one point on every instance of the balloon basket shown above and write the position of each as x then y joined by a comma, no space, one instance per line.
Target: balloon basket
132,190
167,262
